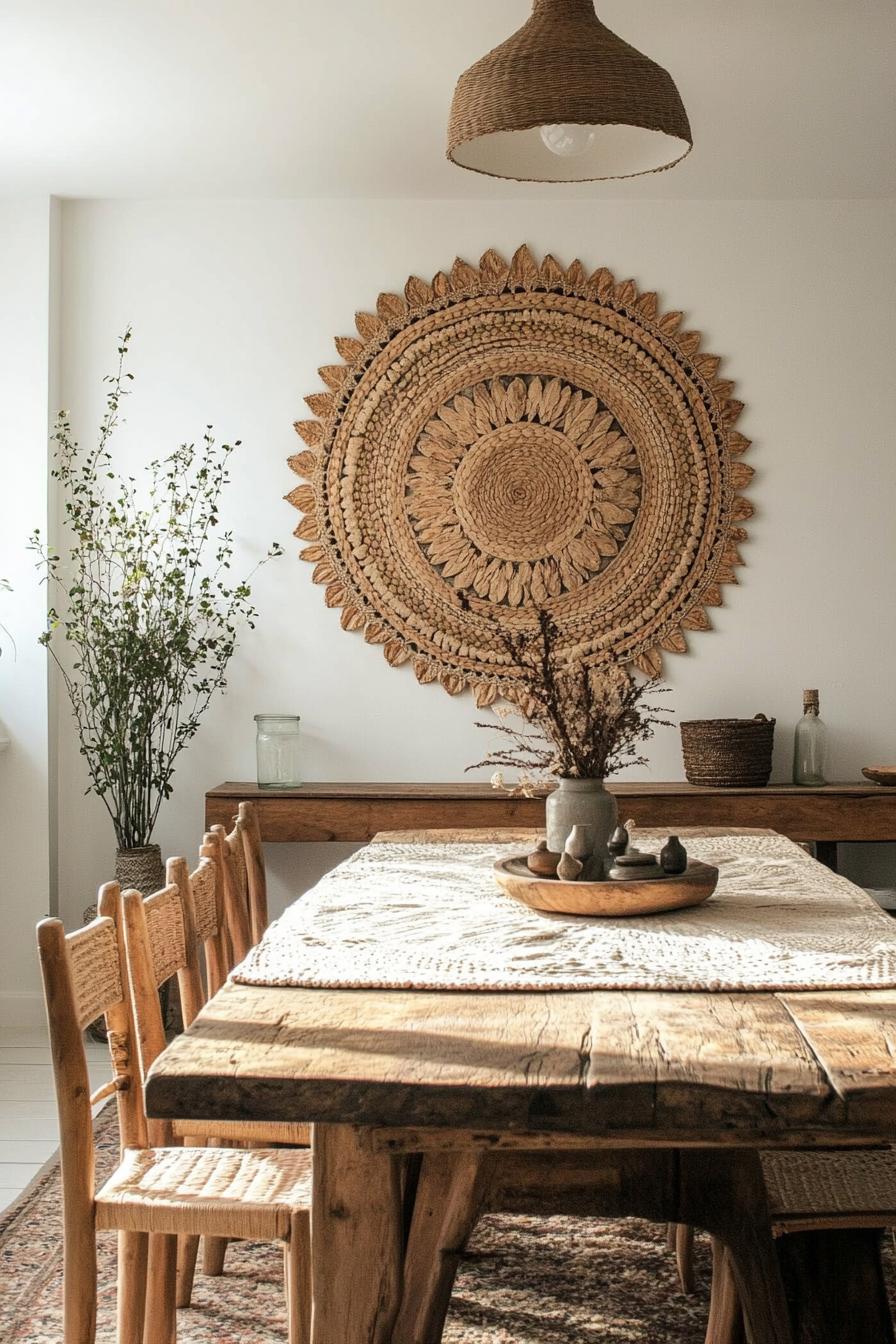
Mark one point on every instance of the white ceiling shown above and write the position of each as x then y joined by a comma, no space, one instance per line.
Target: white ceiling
789,98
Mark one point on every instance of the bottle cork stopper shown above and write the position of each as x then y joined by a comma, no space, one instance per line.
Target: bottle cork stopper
810,699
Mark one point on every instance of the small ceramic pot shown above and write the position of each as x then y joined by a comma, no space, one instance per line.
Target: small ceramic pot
542,862
585,803
618,842
673,856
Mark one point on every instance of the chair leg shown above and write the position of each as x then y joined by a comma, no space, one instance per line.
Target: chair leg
684,1257
161,1288
187,1250
213,1251
133,1253
726,1319
80,1284
757,1276
671,1231
724,1193
297,1264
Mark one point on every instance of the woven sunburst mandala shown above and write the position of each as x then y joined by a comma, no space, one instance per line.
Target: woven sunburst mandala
515,437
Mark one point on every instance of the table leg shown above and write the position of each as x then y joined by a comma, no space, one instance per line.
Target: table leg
826,853
451,1194
356,1238
834,1281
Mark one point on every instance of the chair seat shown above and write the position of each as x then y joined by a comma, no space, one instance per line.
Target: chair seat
215,1192
847,1188
259,1132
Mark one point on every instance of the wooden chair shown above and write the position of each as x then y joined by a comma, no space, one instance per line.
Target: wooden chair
231,869
240,861
248,827
213,890
842,1192
201,893
156,1193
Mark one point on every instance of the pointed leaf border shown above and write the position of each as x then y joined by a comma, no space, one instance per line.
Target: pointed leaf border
494,276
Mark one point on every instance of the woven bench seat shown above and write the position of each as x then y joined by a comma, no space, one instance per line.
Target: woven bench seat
248,1193
807,1190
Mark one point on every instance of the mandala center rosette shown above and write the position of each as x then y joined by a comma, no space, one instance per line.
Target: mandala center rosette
522,488
516,437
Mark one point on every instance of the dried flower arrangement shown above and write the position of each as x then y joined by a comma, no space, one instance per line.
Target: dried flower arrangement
576,721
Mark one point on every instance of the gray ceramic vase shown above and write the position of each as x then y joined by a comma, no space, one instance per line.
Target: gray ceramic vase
580,802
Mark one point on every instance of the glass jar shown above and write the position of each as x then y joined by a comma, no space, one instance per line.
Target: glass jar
277,751
809,744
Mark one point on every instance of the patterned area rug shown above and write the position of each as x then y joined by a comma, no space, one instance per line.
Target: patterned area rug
525,1281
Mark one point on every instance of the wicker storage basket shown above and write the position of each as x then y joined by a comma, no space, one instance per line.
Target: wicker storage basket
728,753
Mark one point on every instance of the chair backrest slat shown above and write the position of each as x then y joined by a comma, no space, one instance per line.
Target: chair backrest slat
249,829
95,970
239,858
219,957
189,975
85,976
206,902
165,929
148,1023
232,867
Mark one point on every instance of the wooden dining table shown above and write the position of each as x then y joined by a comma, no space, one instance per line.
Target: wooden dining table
570,1085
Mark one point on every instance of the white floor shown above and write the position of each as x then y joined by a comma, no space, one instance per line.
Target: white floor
29,1131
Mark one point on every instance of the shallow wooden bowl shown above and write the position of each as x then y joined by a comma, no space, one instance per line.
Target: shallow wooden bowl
647,896
880,774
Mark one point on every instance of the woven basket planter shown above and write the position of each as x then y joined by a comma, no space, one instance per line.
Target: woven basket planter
728,753
141,869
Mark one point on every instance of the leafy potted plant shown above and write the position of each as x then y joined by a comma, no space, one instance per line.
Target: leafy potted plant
577,724
148,619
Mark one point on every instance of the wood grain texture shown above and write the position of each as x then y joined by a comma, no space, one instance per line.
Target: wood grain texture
569,1074
726,1319
854,1034
356,1231
719,1067
451,1193
355,812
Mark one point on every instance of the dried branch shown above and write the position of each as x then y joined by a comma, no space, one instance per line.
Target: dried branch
580,722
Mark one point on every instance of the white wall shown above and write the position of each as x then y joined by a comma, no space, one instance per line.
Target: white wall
27,239
234,305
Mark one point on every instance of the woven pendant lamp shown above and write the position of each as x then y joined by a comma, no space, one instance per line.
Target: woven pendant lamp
566,100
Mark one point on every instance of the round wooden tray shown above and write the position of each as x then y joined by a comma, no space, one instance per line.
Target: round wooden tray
647,896
881,774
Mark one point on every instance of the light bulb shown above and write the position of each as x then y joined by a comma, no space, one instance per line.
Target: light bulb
568,140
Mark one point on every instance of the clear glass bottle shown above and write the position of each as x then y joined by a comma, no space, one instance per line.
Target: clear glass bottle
277,751
809,744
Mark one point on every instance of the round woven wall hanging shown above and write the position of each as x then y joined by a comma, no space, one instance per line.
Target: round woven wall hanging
517,437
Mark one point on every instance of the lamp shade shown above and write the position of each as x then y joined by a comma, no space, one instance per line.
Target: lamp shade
566,100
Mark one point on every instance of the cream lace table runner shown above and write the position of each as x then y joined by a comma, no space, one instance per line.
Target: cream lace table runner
431,916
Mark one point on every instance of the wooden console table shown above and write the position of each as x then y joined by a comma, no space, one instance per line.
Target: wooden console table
355,812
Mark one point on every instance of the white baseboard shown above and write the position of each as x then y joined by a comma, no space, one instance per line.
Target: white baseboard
21,1011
